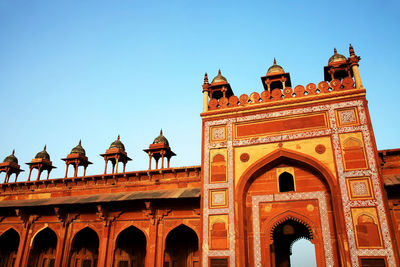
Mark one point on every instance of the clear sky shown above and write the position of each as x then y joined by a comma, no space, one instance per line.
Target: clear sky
91,70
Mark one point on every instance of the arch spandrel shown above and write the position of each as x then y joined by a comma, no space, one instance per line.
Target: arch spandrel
310,147
123,227
40,229
289,157
8,229
79,228
175,226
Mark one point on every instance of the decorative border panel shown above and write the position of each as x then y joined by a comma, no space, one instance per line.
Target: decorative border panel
319,195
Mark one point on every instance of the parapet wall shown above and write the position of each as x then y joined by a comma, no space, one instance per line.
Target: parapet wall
282,94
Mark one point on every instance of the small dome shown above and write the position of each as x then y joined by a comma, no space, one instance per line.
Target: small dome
161,139
11,158
336,57
117,144
219,78
43,154
78,149
275,69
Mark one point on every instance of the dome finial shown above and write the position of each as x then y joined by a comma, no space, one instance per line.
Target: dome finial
334,51
118,138
13,152
44,149
80,142
161,131
274,61
219,72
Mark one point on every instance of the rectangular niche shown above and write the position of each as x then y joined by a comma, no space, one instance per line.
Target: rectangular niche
367,227
218,232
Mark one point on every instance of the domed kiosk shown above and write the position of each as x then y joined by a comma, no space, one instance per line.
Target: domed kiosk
10,166
116,153
77,158
159,149
41,162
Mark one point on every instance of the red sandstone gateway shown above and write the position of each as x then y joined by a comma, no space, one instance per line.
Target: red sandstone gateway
277,166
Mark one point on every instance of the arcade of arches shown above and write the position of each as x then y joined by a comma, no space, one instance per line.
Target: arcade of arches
181,248
277,165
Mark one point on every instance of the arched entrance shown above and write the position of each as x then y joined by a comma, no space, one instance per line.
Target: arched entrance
84,249
284,235
130,248
43,251
182,248
261,202
9,242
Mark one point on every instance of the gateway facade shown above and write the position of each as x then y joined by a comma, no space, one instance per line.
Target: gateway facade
277,166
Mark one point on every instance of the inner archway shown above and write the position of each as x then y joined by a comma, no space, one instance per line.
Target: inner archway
182,248
284,235
9,242
85,249
43,252
130,249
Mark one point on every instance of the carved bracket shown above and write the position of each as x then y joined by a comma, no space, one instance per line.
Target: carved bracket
60,214
196,211
163,213
102,214
23,216
150,212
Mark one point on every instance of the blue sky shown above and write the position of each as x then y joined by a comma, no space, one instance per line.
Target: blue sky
91,70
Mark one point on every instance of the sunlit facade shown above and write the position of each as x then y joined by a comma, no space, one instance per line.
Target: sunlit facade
287,163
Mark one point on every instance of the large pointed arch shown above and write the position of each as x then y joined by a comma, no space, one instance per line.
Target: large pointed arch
9,244
269,161
43,248
130,247
84,248
181,246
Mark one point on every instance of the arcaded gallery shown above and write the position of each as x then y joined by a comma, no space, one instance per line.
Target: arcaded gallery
288,163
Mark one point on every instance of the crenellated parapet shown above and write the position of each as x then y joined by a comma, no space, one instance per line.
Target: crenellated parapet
311,90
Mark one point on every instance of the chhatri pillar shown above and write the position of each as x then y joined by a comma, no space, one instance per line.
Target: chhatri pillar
116,153
353,60
159,149
41,162
77,158
206,85
10,166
